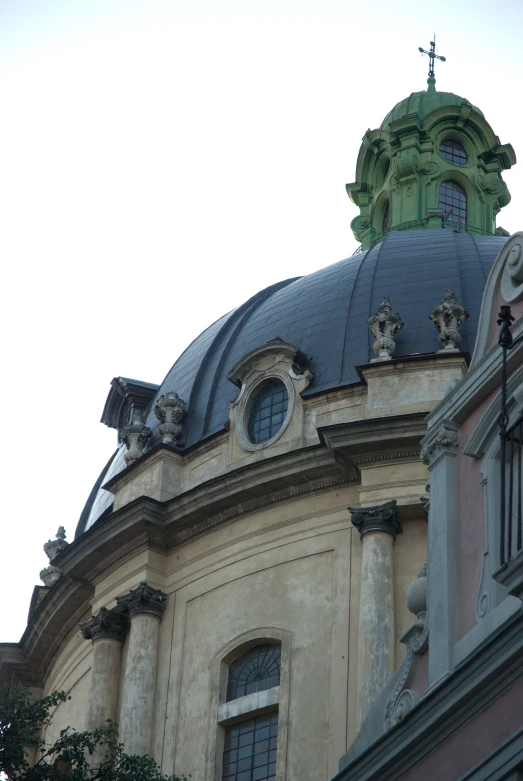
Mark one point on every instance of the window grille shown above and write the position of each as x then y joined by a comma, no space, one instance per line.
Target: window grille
453,152
254,671
453,201
268,411
250,750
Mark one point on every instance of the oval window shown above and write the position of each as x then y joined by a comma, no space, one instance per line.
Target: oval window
453,152
267,412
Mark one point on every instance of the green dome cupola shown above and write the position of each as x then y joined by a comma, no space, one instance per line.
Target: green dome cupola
434,162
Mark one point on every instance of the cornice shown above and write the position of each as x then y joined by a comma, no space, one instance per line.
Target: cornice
448,707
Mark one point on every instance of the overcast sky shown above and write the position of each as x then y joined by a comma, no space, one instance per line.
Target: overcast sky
162,161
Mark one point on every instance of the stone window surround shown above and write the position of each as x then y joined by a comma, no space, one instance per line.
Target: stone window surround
222,714
249,392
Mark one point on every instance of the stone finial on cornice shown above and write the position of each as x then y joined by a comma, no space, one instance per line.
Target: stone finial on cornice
135,437
143,599
380,518
107,623
170,410
448,317
384,326
51,575
417,595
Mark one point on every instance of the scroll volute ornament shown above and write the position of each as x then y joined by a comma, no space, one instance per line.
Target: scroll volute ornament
135,437
448,317
170,410
384,326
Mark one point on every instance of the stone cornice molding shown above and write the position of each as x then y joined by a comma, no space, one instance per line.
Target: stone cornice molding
143,600
105,624
380,518
361,443
439,442
446,708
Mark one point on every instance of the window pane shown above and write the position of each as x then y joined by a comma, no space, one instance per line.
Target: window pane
453,201
255,670
270,406
453,152
255,762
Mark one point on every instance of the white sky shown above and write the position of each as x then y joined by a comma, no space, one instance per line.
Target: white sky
162,161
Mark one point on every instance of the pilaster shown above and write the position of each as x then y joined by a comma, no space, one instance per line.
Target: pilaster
439,451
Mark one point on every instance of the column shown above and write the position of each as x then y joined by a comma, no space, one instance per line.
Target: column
107,630
378,527
145,606
439,451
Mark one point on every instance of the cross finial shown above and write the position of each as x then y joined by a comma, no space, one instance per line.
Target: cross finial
432,56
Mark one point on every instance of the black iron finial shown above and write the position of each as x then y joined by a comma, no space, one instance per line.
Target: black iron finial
505,318
432,56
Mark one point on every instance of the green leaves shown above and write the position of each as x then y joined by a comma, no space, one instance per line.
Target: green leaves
74,756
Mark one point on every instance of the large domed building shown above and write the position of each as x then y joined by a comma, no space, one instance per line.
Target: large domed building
235,593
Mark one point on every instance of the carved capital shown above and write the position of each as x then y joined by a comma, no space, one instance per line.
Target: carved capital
170,410
439,442
143,599
448,317
135,437
107,623
384,326
381,518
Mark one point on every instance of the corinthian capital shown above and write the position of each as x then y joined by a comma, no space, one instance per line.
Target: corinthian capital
380,518
108,623
143,599
439,442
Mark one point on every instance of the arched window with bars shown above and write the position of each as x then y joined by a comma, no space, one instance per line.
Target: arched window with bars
250,744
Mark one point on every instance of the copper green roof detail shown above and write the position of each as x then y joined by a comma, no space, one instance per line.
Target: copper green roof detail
424,103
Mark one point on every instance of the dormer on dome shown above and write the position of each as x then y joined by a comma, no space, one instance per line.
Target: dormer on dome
434,162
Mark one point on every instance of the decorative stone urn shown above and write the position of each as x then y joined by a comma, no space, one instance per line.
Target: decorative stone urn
384,326
417,595
135,437
51,575
448,317
170,410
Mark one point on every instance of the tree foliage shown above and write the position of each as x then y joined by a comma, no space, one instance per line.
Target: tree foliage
74,756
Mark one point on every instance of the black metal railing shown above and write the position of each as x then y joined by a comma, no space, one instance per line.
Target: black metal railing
511,456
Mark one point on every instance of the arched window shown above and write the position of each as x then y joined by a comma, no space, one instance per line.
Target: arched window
268,410
385,226
453,152
254,671
250,745
453,201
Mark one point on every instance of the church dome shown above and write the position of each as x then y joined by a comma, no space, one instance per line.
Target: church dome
325,315
424,103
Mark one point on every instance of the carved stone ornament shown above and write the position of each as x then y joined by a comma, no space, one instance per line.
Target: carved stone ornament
170,410
384,326
107,623
402,700
53,547
448,317
512,279
438,442
51,575
135,437
381,518
143,599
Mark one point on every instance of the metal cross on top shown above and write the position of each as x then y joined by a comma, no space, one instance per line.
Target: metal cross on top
432,56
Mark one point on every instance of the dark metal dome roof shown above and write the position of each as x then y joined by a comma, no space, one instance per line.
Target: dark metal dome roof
325,314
